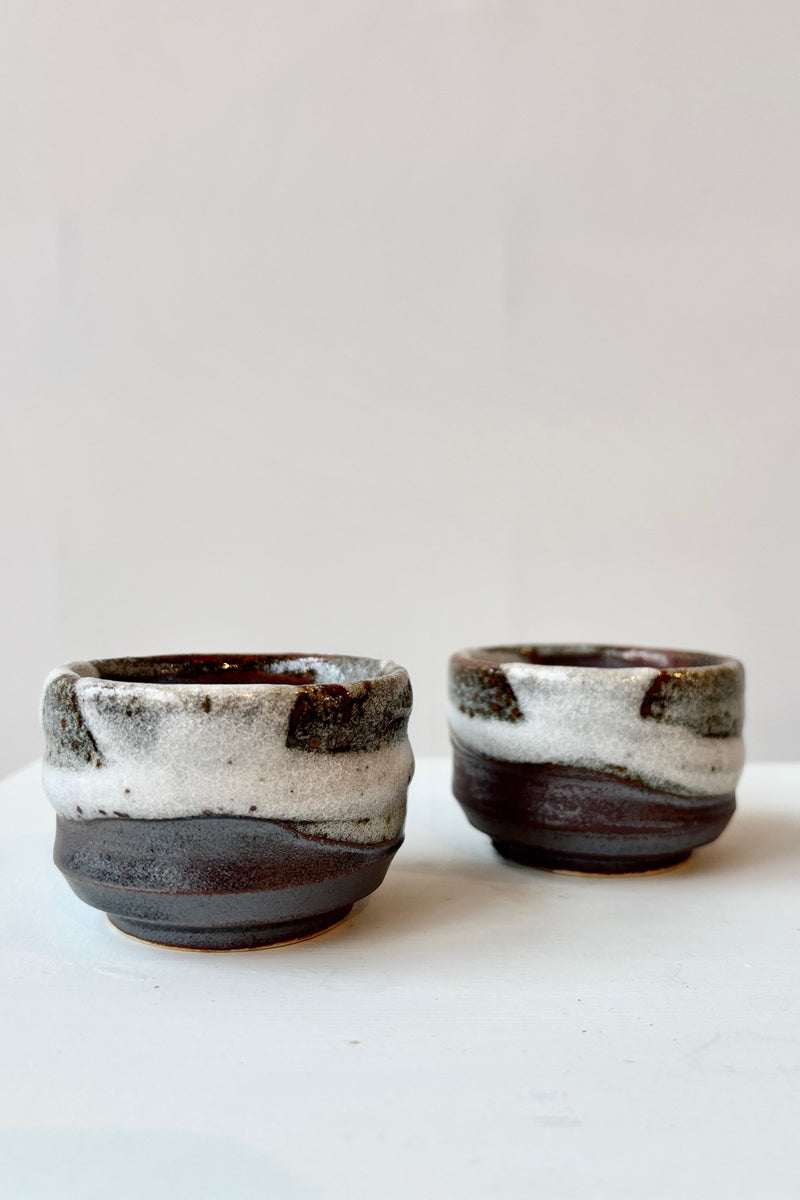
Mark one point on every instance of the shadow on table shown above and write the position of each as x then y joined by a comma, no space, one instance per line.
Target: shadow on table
424,895
753,842
80,1164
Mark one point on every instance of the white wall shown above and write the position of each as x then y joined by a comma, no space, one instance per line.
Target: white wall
391,327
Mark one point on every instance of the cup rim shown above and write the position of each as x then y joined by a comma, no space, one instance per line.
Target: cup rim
574,655
234,671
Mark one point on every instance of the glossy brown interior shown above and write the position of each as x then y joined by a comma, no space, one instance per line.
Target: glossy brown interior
611,657
238,669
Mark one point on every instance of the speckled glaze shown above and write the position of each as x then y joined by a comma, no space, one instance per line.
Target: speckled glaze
227,801
596,758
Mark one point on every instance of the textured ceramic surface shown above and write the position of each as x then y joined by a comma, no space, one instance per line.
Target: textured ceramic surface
596,758
218,801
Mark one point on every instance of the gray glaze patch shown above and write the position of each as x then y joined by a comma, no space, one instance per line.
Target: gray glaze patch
483,691
333,719
69,743
710,703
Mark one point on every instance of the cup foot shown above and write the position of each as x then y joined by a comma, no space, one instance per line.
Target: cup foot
229,937
588,864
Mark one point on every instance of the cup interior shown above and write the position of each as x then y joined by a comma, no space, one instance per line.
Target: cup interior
608,657
243,669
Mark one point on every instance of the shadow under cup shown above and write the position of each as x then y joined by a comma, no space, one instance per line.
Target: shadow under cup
600,759
227,801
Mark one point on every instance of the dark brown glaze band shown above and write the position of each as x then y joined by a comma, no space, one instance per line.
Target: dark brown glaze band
567,818
216,883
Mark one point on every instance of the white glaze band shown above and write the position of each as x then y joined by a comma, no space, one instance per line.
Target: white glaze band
591,718
217,749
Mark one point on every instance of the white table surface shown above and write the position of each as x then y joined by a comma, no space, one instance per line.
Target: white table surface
474,1029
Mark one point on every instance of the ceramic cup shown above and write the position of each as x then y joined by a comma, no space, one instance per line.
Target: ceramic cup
227,801
596,758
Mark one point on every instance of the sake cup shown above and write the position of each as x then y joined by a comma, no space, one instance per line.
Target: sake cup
219,802
601,759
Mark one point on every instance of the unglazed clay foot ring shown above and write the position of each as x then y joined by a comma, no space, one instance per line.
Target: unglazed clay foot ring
597,759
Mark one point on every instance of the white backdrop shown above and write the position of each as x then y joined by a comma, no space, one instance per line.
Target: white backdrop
392,327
